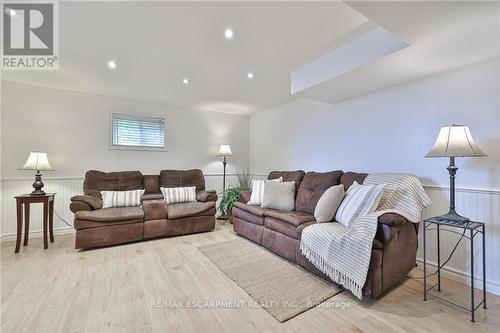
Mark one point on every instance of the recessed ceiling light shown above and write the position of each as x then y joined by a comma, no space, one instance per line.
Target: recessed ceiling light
111,64
185,81
250,75
229,33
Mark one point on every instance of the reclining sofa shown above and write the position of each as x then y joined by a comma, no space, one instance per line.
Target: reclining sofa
394,247
96,226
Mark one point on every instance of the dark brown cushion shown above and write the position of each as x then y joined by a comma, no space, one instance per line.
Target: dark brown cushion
295,218
151,184
255,210
152,196
187,209
182,178
111,214
97,181
246,216
92,201
349,177
154,209
288,176
312,188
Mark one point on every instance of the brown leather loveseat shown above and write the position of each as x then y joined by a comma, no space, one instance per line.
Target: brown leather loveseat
97,226
394,247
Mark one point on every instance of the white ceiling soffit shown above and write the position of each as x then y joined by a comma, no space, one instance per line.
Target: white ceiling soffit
360,51
442,36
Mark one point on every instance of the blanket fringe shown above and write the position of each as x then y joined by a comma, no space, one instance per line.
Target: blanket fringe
331,272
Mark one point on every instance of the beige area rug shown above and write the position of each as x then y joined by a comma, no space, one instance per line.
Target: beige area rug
280,287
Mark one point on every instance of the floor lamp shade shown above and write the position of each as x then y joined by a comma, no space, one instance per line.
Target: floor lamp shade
224,153
37,161
454,141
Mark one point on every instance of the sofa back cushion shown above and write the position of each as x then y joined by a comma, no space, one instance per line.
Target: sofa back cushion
182,178
312,188
349,177
151,184
288,176
97,181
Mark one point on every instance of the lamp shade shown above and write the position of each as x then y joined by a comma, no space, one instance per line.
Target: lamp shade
37,161
455,141
225,151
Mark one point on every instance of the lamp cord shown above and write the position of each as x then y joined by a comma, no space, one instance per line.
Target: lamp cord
60,218
446,261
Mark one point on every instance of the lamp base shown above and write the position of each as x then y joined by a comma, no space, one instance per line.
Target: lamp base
454,217
37,192
38,184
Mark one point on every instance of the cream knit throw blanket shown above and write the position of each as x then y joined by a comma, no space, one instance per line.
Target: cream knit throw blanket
344,253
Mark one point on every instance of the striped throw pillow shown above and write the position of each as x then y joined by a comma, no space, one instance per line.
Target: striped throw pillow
178,194
121,198
358,201
257,195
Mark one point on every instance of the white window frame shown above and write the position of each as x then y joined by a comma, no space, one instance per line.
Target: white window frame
139,117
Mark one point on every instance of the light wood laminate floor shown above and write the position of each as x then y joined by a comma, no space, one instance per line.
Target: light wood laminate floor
113,289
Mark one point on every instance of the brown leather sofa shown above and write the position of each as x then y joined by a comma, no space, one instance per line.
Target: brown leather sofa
97,226
394,247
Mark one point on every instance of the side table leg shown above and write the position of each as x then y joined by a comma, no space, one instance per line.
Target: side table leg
26,223
438,258
51,220
484,268
425,264
45,215
19,224
472,273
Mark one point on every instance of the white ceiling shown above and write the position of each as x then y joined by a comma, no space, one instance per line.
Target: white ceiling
157,44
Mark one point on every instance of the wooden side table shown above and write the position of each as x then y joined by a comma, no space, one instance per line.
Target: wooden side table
48,216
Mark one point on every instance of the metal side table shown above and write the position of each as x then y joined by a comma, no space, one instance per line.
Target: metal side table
474,228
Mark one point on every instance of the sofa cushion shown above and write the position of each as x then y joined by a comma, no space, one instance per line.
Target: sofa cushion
312,188
97,181
182,178
174,195
350,177
288,176
186,209
279,195
130,198
255,210
151,183
111,214
247,216
294,218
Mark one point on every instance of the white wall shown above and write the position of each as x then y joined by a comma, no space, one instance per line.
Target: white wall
391,131
73,129
386,131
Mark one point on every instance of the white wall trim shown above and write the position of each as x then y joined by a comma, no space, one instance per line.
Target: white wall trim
460,276
37,234
82,178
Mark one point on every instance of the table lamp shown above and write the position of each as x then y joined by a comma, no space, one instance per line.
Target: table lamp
454,141
37,161
224,153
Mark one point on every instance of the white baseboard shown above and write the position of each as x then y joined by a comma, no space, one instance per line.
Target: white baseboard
462,277
37,234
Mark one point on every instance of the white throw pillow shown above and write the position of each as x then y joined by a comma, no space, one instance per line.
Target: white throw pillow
178,194
121,198
328,203
358,201
279,195
258,186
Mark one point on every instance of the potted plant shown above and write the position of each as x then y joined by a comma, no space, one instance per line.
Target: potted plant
232,193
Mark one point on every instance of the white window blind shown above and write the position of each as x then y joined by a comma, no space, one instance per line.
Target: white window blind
133,131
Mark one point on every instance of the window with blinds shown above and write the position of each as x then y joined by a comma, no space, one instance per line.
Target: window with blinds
137,132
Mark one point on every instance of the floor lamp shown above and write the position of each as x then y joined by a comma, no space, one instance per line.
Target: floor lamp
224,153
454,141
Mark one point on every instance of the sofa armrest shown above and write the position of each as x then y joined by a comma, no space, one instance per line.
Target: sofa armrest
388,227
91,201
206,196
245,196
155,210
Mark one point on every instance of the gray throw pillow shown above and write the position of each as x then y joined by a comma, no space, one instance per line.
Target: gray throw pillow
279,195
328,203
